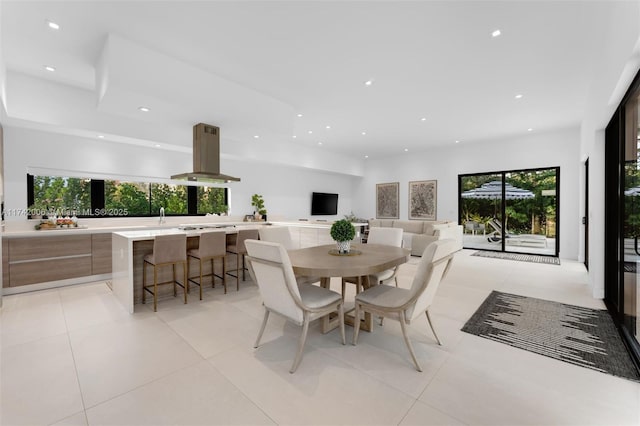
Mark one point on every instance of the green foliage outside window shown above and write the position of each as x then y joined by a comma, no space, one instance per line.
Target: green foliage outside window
211,200
172,197
62,195
133,196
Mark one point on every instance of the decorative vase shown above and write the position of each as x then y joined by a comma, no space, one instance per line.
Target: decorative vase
344,246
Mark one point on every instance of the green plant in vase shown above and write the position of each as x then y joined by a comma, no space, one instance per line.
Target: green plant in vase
258,203
342,231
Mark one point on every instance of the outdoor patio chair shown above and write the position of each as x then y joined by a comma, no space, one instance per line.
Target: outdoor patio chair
513,239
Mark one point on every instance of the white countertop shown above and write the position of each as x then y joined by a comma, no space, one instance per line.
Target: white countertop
150,234
150,231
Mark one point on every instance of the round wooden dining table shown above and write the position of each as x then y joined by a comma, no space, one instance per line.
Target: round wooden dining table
365,259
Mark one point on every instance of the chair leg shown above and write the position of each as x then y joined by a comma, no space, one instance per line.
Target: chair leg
403,325
200,261
303,339
264,324
237,271
213,272
186,283
356,324
224,273
144,280
432,329
341,319
243,268
155,288
343,288
175,288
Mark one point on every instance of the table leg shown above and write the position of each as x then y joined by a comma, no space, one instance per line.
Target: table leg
331,321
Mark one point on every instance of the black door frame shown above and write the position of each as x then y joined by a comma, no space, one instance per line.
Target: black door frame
503,203
614,222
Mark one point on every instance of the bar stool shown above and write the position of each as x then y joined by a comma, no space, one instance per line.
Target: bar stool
167,250
212,246
238,248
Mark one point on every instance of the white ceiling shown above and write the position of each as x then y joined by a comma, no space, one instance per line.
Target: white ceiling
251,67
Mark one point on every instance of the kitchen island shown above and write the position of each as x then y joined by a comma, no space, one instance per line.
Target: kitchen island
128,249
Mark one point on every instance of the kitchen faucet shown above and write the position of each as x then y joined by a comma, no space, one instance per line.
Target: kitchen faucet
161,215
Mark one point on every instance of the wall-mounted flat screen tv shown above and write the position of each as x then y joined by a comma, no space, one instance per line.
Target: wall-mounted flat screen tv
324,204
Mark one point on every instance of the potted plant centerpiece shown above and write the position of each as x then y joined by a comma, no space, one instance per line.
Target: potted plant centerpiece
342,231
258,203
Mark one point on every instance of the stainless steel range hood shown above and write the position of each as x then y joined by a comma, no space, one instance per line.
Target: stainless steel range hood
206,156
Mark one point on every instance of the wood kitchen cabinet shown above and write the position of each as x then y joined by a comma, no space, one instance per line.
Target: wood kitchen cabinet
32,260
101,253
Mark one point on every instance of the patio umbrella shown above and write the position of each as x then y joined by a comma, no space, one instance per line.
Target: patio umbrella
493,191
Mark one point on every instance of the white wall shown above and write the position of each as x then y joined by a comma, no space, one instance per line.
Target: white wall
533,150
286,189
615,66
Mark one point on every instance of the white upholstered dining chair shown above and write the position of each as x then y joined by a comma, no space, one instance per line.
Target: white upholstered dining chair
405,305
270,267
383,236
282,235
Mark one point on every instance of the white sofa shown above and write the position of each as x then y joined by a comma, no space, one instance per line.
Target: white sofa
418,234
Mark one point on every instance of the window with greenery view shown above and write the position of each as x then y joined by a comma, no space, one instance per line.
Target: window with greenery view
212,200
64,195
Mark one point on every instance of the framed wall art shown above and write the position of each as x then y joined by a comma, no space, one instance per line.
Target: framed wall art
387,205
423,198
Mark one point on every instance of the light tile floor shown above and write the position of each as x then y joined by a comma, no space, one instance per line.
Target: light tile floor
72,356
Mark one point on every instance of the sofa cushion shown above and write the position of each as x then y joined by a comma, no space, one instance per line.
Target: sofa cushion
380,223
414,227
440,226
429,226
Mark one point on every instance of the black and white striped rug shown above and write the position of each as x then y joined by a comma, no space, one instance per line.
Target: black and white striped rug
550,260
581,336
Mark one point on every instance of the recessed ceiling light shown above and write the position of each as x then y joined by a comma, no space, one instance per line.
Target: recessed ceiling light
368,82
457,141
310,131
319,143
423,119
101,136
518,96
256,136
52,25
294,136
328,127
364,133
406,150
366,156
157,145
299,115
529,129
495,33
144,109
49,68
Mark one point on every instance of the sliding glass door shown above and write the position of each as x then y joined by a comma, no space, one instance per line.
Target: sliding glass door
511,211
622,218
631,217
